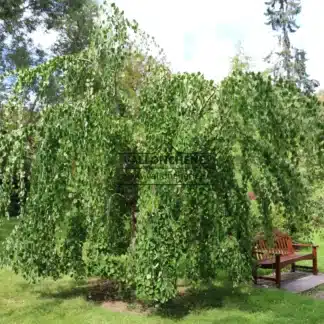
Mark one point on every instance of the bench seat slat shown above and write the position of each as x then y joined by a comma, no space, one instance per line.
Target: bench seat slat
287,258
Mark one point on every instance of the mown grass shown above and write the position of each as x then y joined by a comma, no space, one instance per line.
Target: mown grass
65,301
6,227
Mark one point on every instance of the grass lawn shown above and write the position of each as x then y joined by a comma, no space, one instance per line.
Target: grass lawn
318,240
61,302
6,227
65,302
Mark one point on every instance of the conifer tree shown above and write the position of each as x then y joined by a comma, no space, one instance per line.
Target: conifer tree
290,62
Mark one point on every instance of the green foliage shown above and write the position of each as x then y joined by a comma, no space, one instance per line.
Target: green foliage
75,217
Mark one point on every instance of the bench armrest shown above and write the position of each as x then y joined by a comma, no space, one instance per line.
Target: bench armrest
304,245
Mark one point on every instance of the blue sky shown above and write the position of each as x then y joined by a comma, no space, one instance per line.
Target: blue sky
203,35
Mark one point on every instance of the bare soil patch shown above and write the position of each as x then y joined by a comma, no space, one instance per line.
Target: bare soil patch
107,293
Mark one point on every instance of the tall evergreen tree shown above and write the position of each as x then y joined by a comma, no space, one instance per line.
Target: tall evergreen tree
291,62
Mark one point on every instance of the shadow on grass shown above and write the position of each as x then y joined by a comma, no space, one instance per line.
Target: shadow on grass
198,300
96,291
66,293
193,300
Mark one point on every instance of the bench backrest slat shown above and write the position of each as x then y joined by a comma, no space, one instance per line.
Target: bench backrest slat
282,245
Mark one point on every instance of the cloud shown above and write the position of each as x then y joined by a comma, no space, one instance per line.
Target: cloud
202,35
43,38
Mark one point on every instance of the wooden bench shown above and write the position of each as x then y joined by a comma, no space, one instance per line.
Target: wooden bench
282,253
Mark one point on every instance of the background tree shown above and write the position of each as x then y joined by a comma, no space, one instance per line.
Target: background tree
289,62
20,19
320,95
241,61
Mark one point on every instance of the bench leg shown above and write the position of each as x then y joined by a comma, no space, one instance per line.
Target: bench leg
293,267
314,252
278,271
255,274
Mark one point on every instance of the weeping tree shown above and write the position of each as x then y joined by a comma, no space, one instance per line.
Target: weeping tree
76,217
